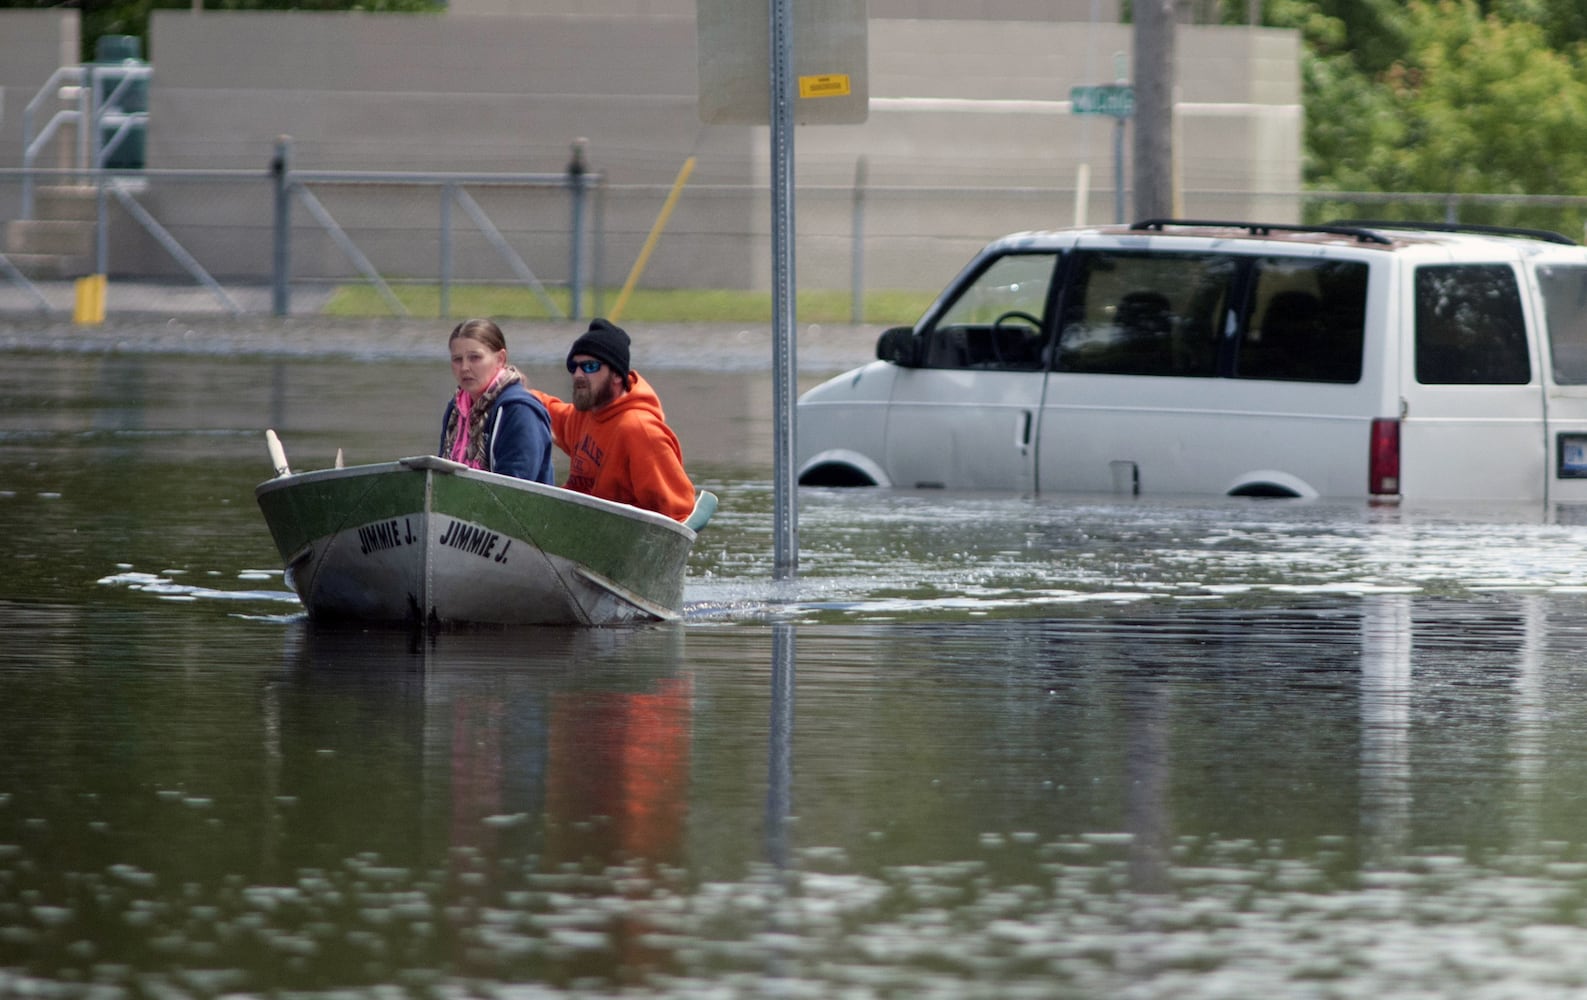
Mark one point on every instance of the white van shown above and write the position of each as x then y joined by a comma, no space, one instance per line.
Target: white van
1379,360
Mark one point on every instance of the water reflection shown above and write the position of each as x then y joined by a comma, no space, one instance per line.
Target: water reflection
779,753
503,763
1386,642
1042,746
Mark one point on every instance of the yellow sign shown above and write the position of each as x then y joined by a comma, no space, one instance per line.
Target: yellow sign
825,85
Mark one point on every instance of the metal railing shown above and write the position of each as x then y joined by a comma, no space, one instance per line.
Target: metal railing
208,222
105,119
251,241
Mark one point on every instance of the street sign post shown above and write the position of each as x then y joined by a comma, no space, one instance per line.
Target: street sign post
1117,101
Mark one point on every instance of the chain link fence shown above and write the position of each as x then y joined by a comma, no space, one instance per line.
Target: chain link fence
279,241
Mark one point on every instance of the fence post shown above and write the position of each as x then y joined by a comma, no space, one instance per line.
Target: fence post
448,193
857,255
598,254
577,168
281,277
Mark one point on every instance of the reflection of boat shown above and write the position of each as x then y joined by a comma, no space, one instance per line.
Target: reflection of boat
500,750
432,541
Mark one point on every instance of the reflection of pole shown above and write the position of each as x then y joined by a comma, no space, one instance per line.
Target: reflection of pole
779,757
785,516
1385,723
1146,814
1529,739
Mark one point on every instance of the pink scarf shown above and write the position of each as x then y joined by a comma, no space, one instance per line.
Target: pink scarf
465,431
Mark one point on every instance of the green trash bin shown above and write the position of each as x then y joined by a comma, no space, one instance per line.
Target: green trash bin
113,53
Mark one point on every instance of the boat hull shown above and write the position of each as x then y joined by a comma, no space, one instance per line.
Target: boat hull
430,541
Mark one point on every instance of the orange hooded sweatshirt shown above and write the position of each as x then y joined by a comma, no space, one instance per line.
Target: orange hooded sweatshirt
624,451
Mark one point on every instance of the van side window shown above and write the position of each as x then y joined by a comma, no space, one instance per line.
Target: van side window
1305,322
1565,305
1469,327
997,322
1144,313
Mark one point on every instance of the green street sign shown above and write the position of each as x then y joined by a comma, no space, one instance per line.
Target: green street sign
1116,100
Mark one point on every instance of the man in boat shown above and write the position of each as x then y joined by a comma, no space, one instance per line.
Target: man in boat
614,432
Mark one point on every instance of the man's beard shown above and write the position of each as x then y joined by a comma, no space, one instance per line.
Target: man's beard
586,398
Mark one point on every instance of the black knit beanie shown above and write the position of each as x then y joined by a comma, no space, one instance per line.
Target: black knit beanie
605,341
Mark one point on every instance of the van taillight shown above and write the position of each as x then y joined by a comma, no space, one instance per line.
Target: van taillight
1383,466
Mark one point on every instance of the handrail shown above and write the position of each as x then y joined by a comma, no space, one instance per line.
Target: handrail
31,144
92,109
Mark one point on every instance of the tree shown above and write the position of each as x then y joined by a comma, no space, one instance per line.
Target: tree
1474,103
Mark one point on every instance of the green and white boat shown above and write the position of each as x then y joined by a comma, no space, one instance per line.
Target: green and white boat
430,541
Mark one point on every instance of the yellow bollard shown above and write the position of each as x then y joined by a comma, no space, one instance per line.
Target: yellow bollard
89,309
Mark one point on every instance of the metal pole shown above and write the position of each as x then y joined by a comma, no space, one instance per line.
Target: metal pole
1118,170
448,193
1154,108
281,280
598,248
102,225
785,514
576,171
857,256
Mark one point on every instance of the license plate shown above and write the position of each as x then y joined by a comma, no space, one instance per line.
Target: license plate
1572,456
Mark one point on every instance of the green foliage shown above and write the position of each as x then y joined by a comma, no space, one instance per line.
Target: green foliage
1475,102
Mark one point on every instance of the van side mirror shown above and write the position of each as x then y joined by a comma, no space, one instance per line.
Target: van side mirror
898,346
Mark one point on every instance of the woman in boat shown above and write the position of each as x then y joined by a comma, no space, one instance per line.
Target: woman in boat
493,423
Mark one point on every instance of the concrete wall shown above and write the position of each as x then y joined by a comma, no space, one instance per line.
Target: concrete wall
969,136
1101,11
33,44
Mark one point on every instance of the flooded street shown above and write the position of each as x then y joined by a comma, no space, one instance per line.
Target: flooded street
983,746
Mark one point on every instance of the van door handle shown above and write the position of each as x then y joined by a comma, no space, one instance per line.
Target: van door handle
1022,430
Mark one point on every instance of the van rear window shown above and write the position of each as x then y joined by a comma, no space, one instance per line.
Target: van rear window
1305,320
1565,303
1469,327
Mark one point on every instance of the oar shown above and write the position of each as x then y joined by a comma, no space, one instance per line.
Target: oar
278,454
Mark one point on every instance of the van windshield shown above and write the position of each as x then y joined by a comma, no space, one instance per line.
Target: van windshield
998,320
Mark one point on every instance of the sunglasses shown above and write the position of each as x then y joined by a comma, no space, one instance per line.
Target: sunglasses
587,367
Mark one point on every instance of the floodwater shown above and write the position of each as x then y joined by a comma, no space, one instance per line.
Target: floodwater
982,746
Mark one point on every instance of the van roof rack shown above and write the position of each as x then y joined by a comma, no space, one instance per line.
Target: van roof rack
1546,235
1267,228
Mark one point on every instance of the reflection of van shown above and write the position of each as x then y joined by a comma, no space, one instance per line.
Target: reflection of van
1360,359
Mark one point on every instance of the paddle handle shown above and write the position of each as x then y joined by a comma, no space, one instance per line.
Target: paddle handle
278,454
